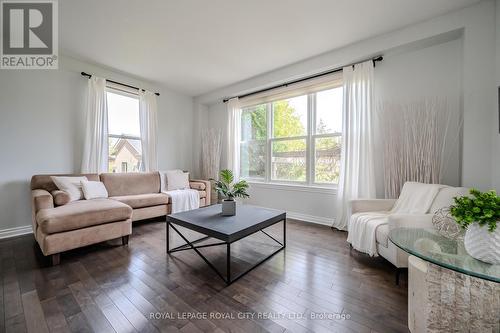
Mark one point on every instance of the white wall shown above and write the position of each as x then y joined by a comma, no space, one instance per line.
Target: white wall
427,73
42,116
495,151
464,65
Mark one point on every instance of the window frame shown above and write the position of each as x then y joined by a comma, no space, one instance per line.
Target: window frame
117,91
310,139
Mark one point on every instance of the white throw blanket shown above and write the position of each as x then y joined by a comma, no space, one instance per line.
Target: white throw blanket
183,200
415,198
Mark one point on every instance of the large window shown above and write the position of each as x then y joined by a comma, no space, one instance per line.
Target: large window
295,139
125,151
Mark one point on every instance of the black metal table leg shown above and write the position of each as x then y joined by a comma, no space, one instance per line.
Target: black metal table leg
228,263
284,233
168,236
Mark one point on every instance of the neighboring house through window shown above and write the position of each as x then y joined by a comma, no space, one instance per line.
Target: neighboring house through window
295,139
125,151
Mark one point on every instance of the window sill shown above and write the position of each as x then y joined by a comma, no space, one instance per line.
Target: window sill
329,190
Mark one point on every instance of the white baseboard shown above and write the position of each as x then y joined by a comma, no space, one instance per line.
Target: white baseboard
310,218
17,231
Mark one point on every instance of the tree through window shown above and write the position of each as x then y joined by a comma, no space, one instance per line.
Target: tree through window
293,140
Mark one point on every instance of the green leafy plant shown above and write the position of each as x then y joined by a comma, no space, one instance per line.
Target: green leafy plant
481,207
229,190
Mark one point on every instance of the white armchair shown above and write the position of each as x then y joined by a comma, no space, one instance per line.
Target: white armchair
371,205
385,247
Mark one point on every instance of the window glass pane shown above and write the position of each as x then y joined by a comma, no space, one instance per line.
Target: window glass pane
253,123
329,111
253,159
125,155
123,115
288,160
327,160
290,117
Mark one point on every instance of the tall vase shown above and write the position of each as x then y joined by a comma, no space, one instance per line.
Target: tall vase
483,244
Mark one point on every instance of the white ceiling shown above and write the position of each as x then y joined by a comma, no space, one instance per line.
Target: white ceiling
195,46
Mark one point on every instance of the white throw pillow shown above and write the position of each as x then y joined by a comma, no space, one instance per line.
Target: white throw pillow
71,185
445,196
177,181
163,178
94,190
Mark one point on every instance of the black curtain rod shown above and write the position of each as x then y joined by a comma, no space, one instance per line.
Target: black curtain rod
286,84
119,83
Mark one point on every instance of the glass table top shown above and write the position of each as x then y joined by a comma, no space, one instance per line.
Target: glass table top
428,245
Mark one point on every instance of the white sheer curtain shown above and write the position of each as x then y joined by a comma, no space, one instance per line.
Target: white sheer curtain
357,175
233,136
149,125
95,151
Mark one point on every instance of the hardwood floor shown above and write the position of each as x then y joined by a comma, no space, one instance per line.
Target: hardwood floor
138,288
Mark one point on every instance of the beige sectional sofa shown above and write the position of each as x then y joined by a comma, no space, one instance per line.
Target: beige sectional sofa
60,227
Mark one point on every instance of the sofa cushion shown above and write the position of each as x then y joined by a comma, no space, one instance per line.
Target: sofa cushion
202,194
45,182
61,198
197,186
382,235
143,200
82,214
445,196
121,184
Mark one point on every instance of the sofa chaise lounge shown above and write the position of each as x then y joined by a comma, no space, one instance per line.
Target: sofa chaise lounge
59,226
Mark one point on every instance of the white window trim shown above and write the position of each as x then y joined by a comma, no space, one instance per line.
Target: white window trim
310,138
329,190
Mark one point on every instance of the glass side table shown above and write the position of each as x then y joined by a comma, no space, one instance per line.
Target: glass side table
448,290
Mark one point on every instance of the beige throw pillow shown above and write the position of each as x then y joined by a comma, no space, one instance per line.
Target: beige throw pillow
164,180
94,190
177,181
71,185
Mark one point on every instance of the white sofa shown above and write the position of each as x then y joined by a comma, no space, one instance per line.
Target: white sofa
385,247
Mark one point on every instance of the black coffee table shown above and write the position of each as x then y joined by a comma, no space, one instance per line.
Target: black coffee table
228,229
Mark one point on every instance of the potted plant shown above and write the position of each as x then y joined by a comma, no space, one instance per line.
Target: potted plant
226,189
479,214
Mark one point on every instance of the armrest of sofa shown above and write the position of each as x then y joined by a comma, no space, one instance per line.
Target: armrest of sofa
371,205
410,221
202,185
42,199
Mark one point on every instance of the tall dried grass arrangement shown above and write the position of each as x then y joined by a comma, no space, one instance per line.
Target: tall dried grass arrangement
211,144
414,139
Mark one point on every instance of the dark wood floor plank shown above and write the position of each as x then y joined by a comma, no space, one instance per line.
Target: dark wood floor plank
173,303
134,316
108,287
67,303
78,324
56,322
33,313
94,315
114,316
11,294
15,324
